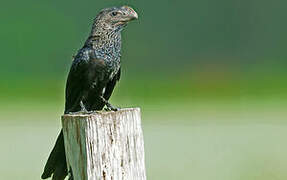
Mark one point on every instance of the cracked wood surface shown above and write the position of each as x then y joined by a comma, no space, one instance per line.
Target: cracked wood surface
105,145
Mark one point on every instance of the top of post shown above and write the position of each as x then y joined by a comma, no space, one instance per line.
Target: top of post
102,112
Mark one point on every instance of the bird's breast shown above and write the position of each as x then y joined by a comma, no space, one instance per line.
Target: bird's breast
112,68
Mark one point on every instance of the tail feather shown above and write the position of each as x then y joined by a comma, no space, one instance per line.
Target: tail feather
56,163
60,172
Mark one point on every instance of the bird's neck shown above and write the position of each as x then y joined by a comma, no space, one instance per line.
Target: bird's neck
107,42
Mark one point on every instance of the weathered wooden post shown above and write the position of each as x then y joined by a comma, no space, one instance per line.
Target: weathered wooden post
105,145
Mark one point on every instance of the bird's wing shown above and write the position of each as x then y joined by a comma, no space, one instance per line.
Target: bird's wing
76,83
86,72
111,85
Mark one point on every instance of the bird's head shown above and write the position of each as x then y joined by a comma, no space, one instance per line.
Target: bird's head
115,18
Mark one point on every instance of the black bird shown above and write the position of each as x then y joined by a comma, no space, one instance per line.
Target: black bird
93,75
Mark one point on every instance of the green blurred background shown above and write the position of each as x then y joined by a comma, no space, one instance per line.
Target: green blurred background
209,76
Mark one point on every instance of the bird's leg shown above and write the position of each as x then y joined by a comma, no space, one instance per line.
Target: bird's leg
109,106
84,110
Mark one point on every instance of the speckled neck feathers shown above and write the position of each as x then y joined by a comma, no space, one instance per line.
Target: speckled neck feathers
105,41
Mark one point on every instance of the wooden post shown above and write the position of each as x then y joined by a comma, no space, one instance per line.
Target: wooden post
105,145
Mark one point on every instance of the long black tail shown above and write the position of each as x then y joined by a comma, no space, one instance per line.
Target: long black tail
56,163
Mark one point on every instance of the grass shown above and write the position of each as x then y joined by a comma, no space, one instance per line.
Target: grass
219,140
173,151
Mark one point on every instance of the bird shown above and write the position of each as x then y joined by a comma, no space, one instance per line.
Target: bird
93,75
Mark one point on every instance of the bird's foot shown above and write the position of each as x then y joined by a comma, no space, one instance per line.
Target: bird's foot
83,111
110,107
87,112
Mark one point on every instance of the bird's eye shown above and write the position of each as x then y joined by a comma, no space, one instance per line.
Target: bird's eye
114,13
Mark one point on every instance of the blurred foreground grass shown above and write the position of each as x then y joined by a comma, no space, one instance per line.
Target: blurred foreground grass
200,139
173,151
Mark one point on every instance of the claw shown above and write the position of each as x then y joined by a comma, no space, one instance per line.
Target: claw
111,107
84,111
89,112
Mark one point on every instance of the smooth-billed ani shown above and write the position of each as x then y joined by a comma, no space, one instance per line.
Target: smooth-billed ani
93,75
